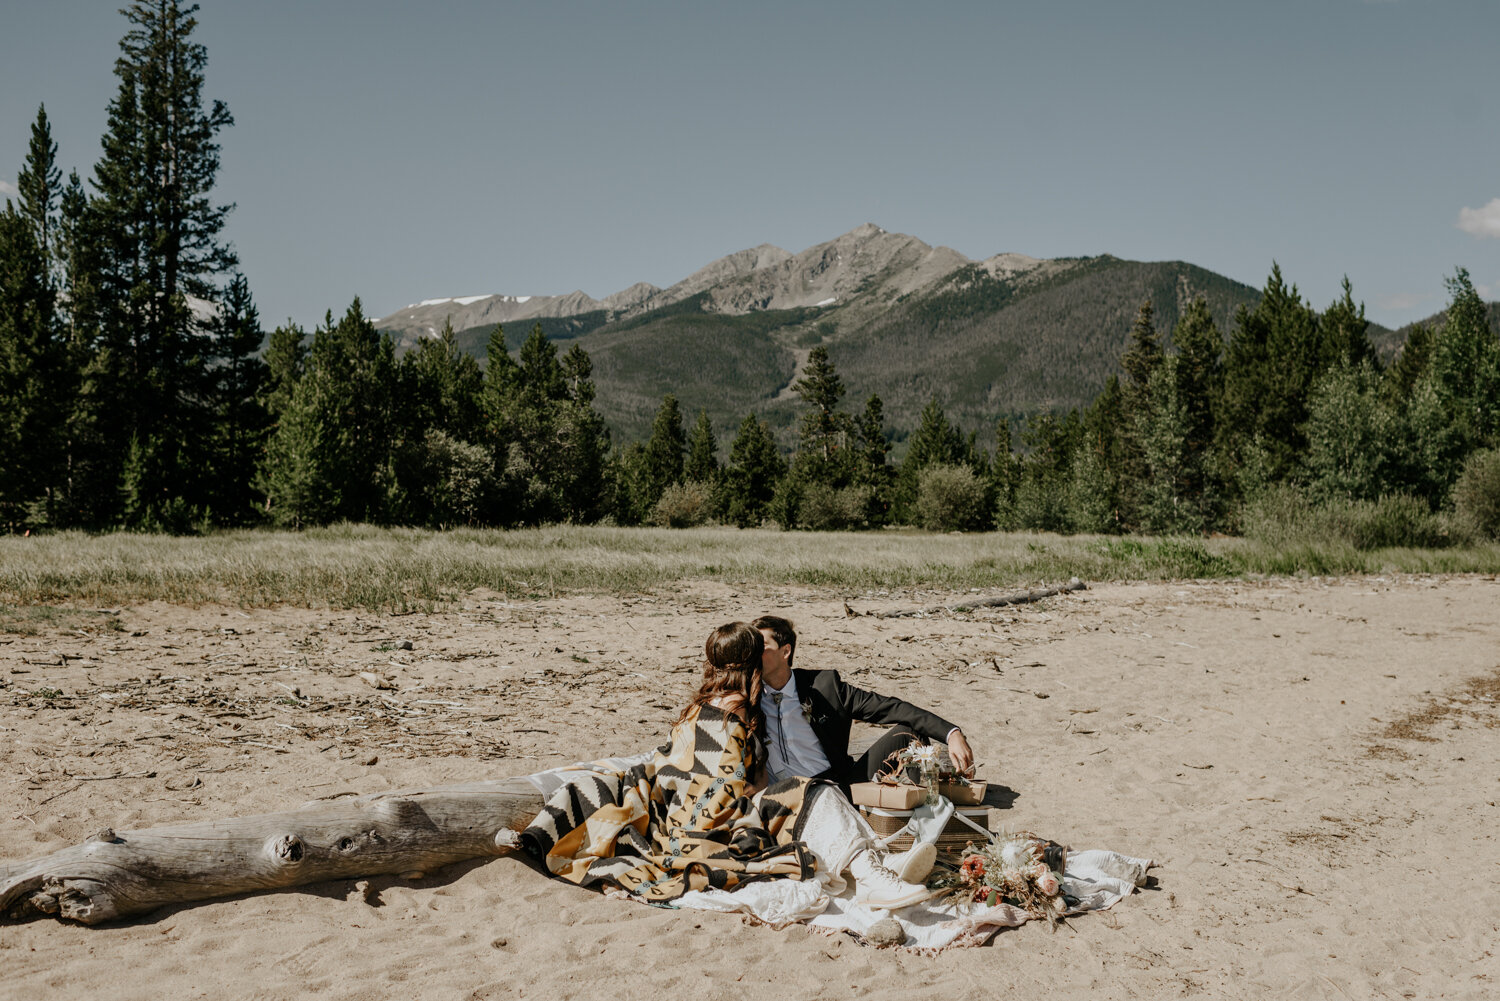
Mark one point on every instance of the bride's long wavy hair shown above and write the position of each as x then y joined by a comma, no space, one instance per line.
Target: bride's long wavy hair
731,666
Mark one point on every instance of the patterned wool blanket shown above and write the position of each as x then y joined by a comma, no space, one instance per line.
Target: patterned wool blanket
681,821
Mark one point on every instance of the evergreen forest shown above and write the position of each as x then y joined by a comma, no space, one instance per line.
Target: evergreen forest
139,391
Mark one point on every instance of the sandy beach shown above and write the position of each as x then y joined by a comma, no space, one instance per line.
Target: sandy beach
1313,762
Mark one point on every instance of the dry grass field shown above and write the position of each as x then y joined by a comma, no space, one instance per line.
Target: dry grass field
359,566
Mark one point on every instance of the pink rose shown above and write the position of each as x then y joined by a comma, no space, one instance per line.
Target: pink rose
1048,885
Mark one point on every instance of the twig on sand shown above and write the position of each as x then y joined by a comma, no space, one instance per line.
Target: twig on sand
968,604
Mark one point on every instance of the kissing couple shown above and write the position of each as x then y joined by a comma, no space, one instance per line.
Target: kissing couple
753,784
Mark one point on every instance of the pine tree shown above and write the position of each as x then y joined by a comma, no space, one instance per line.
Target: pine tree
1004,476
235,385
437,420
330,456
40,187
1463,365
555,446
1276,354
934,443
825,472
584,482
1352,434
28,360
1143,354
298,482
578,376
441,387
541,378
664,451
95,385
1104,498
1166,501
286,356
824,429
1401,378
875,471
1345,330
1042,493
751,475
1124,474
77,249
702,464
36,388
1454,407
157,231
1200,379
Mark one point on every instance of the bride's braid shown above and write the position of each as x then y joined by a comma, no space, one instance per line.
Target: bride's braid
731,666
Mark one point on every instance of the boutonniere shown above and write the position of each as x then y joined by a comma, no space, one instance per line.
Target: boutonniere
807,713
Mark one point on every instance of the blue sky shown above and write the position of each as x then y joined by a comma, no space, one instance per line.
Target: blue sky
401,151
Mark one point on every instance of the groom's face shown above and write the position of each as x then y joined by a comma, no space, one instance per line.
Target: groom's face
776,657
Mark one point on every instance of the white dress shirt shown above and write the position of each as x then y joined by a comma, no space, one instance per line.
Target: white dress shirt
792,747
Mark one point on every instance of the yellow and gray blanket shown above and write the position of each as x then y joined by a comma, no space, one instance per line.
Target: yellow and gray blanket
681,821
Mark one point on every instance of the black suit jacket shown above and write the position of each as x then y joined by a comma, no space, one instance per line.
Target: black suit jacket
833,704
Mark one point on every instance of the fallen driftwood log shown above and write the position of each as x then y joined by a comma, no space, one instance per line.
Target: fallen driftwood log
1008,599
407,832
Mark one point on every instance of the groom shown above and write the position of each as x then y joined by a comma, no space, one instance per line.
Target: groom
808,715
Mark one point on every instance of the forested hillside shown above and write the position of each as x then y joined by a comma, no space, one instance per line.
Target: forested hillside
983,345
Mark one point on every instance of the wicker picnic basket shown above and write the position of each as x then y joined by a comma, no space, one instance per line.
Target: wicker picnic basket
950,844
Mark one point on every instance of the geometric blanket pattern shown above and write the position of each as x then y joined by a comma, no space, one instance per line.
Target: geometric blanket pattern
678,822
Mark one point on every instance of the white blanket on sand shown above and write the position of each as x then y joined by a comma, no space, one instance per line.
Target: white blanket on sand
1097,879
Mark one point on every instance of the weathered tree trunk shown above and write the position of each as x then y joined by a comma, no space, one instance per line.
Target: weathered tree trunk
117,874
1021,598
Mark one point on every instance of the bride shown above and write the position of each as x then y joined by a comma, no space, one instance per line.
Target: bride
695,816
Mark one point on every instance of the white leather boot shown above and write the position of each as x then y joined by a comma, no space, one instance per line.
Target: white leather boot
875,885
913,865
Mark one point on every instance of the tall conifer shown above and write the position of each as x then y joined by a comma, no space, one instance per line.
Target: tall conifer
235,385
751,475
40,187
28,358
702,465
664,450
159,242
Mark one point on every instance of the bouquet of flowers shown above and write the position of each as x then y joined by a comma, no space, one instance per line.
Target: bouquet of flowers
1018,869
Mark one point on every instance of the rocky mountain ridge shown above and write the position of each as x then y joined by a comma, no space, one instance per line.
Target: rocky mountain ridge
866,262
989,340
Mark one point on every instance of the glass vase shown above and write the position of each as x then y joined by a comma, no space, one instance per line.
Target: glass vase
930,782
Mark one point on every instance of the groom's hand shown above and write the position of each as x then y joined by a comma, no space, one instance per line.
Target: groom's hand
960,752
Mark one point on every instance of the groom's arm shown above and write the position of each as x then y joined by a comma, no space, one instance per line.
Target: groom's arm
872,707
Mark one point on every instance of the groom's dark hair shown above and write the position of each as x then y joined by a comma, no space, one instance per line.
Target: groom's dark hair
782,629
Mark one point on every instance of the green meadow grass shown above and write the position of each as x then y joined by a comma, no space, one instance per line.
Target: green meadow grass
360,566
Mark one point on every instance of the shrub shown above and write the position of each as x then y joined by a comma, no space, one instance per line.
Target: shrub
1282,516
683,505
445,481
949,498
1393,520
1476,495
825,509
1277,516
